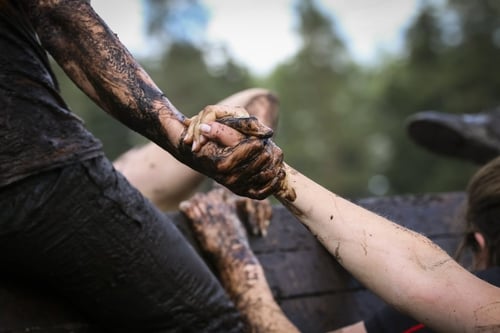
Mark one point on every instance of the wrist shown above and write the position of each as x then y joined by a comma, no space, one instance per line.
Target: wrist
173,124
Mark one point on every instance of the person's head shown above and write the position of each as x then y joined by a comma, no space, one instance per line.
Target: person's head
482,216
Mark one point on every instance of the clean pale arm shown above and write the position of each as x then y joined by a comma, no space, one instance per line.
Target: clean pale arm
403,267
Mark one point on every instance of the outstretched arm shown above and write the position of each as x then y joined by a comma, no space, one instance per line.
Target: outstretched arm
403,267
92,55
164,180
95,59
221,235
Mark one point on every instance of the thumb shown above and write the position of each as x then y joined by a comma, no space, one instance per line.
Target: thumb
222,134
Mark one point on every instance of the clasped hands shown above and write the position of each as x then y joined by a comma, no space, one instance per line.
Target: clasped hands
236,150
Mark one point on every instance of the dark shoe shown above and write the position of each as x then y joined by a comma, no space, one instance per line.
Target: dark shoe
472,137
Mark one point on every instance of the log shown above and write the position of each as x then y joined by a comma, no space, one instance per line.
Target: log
314,291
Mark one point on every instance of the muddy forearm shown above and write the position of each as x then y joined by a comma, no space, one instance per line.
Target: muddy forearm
245,281
95,59
221,235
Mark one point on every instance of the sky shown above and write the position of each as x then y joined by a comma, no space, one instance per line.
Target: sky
260,33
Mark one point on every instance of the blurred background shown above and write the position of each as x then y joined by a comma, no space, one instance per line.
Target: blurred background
348,73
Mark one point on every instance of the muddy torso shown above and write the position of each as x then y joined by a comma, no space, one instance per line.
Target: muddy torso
37,131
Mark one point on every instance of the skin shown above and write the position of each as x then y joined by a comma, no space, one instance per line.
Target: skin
165,181
216,225
480,262
432,287
95,59
414,275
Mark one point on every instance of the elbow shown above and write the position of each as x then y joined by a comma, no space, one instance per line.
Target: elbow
51,17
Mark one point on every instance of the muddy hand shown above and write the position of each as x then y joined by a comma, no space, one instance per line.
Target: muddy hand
255,214
240,157
214,222
231,116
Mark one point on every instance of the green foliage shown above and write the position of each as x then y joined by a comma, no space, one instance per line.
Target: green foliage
190,84
174,21
447,68
326,125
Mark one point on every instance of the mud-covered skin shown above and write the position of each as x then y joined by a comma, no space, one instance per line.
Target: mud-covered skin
253,167
92,55
213,218
235,117
215,223
254,214
98,63
250,168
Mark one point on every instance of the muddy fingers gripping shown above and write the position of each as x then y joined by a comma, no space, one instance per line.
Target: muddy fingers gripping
236,118
235,150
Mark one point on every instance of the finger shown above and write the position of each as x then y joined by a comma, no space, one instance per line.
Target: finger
251,157
188,208
194,206
264,191
188,138
273,184
223,111
264,214
262,179
205,116
246,212
264,211
248,166
250,126
221,134
258,217
211,113
244,158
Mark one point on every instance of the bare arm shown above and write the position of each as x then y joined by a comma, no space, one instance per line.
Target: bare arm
92,55
403,267
166,181
221,235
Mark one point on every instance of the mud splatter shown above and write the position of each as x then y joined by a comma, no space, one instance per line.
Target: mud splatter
337,253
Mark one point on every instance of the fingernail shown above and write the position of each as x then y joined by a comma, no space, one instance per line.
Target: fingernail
184,205
194,146
205,128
